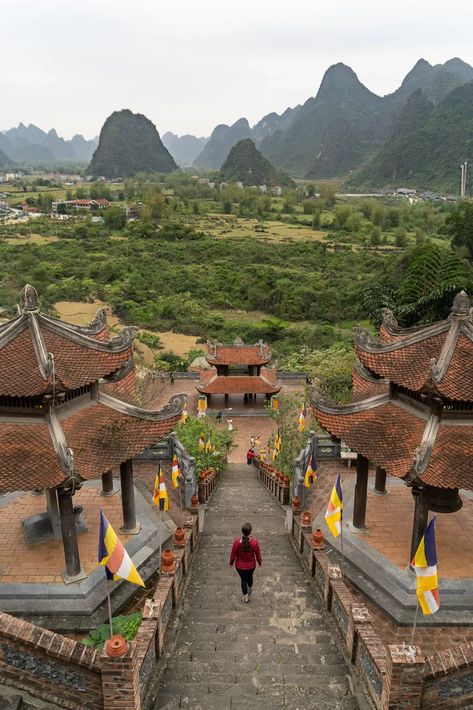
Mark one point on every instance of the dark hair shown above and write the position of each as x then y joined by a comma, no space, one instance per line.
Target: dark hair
245,540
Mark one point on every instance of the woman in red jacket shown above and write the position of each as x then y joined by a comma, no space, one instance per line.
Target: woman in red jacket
246,553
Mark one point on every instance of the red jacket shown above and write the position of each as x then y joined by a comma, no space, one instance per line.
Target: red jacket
248,559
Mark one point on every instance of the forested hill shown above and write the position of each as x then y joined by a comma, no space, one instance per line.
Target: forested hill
427,145
129,143
246,164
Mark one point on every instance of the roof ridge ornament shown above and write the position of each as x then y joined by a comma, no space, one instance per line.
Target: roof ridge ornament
389,319
29,302
126,336
363,336
99,320
461,306
238,342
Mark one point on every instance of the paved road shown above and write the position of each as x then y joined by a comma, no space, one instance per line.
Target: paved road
275,651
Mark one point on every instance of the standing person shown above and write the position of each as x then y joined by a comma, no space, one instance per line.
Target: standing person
252,442
250,454
219,416
171,377
245,554
230,424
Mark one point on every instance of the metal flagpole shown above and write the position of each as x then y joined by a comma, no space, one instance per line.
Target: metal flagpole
109,608
415,623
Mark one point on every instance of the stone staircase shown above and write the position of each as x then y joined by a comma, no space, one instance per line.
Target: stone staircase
277,650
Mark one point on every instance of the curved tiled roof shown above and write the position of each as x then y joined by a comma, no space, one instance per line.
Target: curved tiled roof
238,354
365,385
81,442
410,442
437,357
38,352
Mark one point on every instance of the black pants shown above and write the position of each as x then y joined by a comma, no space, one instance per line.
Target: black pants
246,576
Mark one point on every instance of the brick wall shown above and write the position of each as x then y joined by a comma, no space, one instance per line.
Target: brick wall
48,665
73,676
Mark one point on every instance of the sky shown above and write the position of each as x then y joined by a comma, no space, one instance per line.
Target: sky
189,65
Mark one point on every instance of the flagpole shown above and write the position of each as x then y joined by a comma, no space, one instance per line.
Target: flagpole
415,623
109,608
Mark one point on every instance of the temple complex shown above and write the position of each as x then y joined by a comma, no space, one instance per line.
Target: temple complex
238,369
61,423
412,413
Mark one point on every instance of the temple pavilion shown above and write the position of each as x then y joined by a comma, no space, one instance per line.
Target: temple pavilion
412,412
238,369
61,422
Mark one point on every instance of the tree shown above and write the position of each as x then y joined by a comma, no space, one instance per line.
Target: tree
114,217
460,226
400,237
375,237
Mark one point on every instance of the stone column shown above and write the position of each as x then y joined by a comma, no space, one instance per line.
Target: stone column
107,484
361,490
380,481
130,526
69,534
421,514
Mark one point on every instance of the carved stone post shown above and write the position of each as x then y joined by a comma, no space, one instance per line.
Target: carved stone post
361,490
69,535
130,526
421,514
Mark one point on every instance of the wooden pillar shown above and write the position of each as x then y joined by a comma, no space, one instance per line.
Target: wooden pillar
421,514
361,490
128,498
69,534
380,480
225,403
107,484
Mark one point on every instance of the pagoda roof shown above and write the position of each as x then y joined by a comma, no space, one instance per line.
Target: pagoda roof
78,440
409,439
265,383
39,354
365,384
238,353
436,357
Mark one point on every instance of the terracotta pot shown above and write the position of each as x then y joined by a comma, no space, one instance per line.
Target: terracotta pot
286,480
296,505
179,537
116,647
195,504
306,519
168,563
318,540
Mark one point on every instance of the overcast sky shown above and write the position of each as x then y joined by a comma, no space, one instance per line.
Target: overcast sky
191,64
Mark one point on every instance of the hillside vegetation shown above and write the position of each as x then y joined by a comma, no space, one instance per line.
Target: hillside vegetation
129,143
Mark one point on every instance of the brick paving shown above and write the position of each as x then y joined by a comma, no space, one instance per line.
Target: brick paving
21,563
277,651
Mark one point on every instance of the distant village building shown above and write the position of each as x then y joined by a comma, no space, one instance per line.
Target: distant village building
277,190
60,206
263,188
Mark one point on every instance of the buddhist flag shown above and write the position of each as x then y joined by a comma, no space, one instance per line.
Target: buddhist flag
278,442
184,414
208,446
333,516
202,442
302,417
274,454
311,471
175,472
160,495
425,566
262,454
114,557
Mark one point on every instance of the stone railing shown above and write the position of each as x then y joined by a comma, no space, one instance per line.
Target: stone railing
394,676
207,484
275,481
63,671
